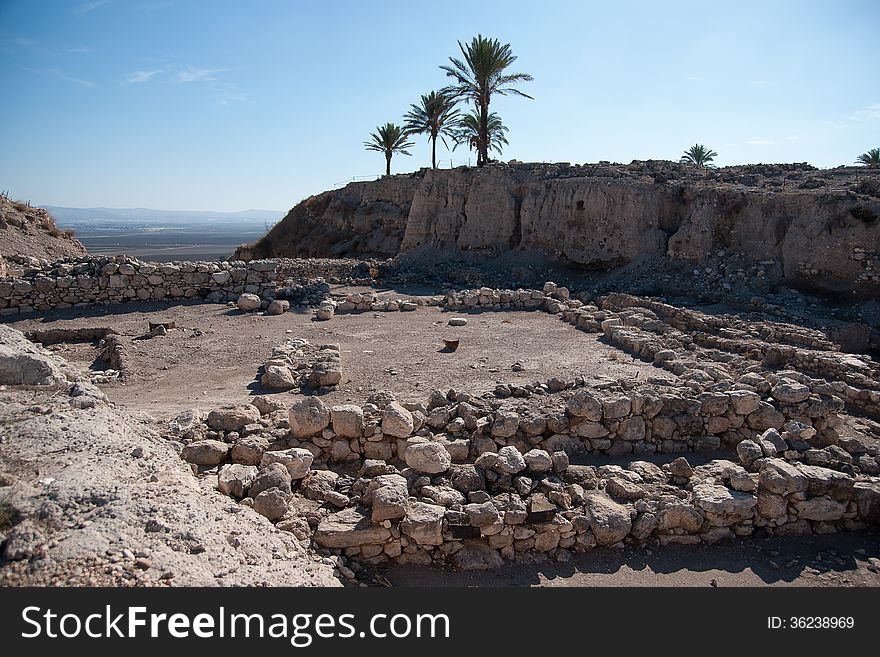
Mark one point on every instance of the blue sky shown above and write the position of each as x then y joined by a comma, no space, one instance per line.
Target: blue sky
221,105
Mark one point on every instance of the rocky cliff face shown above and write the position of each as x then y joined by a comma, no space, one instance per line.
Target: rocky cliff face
822,226
361,218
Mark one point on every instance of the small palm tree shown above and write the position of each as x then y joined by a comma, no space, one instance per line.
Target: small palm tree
481,74
698,155
870,159
435,116
468,132
389,139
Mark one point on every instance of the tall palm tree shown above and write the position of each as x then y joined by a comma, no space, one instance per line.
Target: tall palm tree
435,116
481,74
468,132
389,139
870,159
698,155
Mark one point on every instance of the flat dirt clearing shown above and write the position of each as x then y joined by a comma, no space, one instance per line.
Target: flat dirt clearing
214,355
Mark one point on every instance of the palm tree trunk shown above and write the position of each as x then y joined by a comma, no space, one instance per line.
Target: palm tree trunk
434,152
388,164
484,134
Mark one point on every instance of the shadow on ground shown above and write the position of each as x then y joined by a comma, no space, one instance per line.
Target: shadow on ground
829,560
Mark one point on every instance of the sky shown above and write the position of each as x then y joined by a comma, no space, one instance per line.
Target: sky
222,105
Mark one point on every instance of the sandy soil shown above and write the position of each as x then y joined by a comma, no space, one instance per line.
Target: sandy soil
215,354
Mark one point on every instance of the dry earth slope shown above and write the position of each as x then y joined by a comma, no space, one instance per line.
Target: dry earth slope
27,231
91,496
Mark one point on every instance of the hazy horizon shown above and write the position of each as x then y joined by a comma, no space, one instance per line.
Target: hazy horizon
184,105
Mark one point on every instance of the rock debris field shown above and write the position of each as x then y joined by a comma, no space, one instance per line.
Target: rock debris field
518,436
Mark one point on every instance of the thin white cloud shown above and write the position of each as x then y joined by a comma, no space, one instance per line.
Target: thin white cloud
760,142
78,51
61,75
760,83
227,93
793,138
139,77
192,74
693,78
869,113
90,6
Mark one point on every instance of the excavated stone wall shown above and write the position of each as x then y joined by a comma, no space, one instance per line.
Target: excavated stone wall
87,280
472,480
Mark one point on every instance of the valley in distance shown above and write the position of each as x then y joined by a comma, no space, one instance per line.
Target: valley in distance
164,235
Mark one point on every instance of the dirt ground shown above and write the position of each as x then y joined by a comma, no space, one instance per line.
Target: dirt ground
829,560
215,353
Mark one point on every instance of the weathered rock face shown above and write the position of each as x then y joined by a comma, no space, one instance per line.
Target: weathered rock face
816,223
359,218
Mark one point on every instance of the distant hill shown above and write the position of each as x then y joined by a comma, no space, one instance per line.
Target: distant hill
164,235
28,231
71,216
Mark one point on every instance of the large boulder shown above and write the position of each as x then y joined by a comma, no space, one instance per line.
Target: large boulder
781,477
296,459
205,452
424,523
748,452
505,425
348,420
389,503
680,516
584,404
308,417
866,495
350,527
729,507
233,418
235,479
278,307
791,393
744,402
278,377
248,302
609,521
538,460
474,555
482,515
248,450
428,457
274,475
510,461
271,503
820,509
397,421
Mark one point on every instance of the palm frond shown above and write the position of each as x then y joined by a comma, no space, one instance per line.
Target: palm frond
870,159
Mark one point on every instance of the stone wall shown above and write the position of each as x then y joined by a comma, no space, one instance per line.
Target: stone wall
433,503
75,282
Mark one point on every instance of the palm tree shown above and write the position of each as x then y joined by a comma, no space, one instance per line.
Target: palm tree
389,139
481,74
870,159
698,155
435,116
468,132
